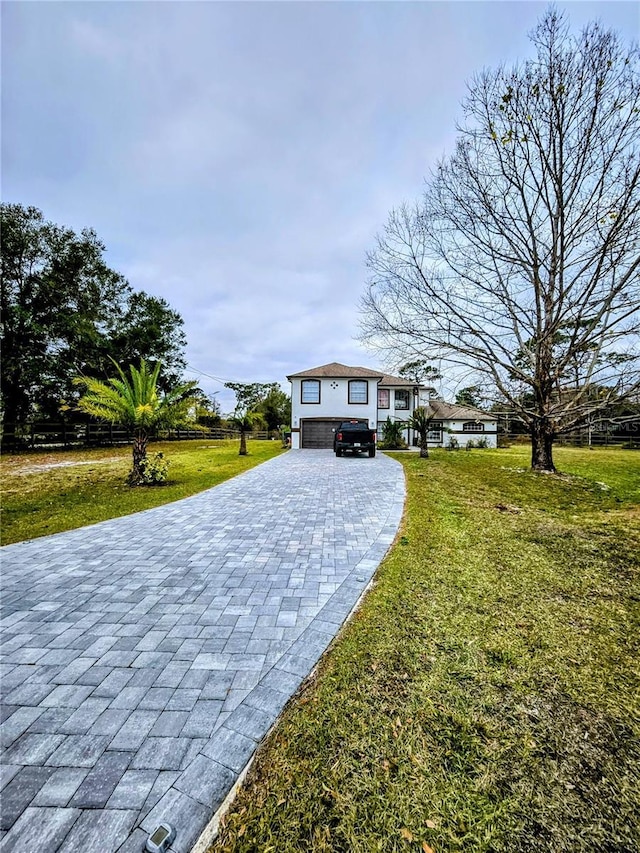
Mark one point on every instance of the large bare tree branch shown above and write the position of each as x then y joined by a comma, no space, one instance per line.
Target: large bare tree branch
522,260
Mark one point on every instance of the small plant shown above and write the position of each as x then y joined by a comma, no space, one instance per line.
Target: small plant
453,444
470,444
153,471
482,443
392,438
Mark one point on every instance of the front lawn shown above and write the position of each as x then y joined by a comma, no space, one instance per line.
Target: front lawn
50,492
486,697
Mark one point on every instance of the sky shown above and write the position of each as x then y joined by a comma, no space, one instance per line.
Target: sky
238,158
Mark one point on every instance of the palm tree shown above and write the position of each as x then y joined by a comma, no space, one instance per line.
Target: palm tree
246,422
136,403
249,396
420,421
392,438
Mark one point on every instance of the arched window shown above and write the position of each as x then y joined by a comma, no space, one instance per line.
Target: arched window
358,391
310,391
472,426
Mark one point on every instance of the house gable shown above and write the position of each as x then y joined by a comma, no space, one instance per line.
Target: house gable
323,396
335,370
334,392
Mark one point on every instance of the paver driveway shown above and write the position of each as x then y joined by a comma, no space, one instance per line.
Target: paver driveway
144,658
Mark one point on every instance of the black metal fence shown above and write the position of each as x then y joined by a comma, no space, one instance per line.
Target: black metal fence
43,435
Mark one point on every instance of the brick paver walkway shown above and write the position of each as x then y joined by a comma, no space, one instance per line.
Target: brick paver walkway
144,658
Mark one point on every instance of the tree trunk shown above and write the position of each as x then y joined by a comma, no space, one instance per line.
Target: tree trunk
139,455
14,407
424,450
542,446
243,443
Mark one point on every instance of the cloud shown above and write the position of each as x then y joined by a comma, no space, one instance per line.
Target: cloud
96,41
238,158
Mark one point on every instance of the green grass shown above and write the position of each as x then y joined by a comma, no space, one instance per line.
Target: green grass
486,696
40,495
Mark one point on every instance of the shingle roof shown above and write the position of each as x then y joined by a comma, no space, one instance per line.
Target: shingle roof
453,412
336,370
387,379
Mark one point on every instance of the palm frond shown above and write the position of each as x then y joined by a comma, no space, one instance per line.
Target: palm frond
135,400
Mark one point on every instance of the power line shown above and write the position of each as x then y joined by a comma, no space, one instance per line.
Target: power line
217,378
208,375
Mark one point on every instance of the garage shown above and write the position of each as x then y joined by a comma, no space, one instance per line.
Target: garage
318,434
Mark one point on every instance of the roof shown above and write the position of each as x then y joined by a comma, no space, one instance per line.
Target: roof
387,379
337,370
453,412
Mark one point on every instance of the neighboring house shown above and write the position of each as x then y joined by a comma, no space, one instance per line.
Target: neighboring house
324,396
463,423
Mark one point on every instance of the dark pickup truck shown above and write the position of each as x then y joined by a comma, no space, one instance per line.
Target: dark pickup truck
354,437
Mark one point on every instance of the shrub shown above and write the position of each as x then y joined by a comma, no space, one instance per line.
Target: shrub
453,444
482,443
154,470
392,435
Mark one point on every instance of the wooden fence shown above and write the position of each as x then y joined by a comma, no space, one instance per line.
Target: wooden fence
38,436
42,435
579,438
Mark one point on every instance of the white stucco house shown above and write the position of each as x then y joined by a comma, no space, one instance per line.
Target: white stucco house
463,423
324,396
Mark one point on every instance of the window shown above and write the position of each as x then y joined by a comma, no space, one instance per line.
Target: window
358,391
310,391
402,399
472,426
435,431
383,398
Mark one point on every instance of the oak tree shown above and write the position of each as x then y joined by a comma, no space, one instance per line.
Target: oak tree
520,266
65,311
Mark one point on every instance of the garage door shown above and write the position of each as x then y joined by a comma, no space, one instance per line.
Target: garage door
318,434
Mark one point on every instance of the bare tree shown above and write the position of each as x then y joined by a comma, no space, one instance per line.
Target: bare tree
522,260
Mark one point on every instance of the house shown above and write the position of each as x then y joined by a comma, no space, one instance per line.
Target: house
462,423
324,396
